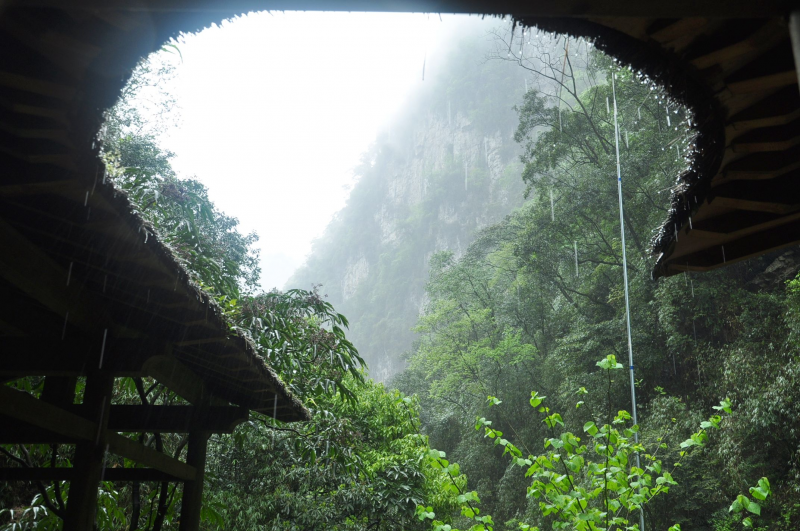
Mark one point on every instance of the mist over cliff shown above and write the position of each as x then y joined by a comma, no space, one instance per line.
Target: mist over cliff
446,167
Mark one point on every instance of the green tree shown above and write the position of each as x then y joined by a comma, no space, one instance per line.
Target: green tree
536,298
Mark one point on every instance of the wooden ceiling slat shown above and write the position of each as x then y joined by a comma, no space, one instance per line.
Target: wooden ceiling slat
36,86
776,138
739,249
766,82
740,52
34,272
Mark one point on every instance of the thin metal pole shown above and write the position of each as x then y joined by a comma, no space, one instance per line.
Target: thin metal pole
625,276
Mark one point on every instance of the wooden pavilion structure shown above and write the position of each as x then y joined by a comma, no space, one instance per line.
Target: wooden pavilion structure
89,292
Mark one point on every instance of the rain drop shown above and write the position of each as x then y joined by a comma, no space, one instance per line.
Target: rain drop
576,259
103,348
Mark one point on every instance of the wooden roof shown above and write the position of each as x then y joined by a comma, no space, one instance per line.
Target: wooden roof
85,283
729,60
741,197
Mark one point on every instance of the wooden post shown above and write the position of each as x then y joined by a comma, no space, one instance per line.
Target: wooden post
192,500
89,456
794,31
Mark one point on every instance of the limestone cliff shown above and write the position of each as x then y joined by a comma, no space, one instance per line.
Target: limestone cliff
447,168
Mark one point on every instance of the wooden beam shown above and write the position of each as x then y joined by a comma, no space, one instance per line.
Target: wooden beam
57,115
564,8
134,418
68,473
780,108
763,83
678,29
17,432
763,165
36,474
168,371
36,86
31,270
733,251
89,457
776,138
24,356
192,500
139,453
22,406
757,206
176,419
742,50
794,33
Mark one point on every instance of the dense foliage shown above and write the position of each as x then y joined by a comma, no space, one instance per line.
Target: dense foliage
537,299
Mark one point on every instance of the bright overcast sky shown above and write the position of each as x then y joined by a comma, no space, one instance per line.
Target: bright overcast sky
276,110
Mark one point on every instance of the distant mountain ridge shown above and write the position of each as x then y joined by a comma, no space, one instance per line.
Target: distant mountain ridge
447,168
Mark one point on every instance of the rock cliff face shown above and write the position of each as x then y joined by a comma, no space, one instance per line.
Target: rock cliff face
448,168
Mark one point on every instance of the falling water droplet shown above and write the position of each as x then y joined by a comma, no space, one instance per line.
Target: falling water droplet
103,348
690,223
552,207
105,462
69,273
723,254
86,199
576,259
608,107
64,330
100,420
